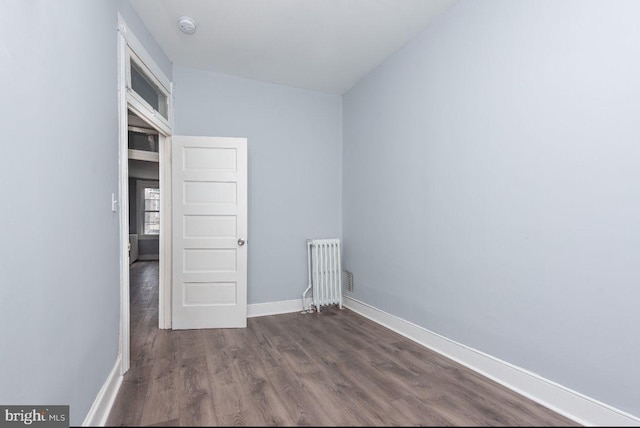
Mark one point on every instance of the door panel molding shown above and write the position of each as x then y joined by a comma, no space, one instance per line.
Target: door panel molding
209,231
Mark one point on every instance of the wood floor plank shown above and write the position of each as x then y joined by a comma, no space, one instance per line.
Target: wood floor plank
335,365
335,368
192,344
259,394
196,403
419,413
171,423
127,408
161,402
301,403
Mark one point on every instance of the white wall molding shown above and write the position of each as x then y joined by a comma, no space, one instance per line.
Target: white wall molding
578,407
101,407
274,308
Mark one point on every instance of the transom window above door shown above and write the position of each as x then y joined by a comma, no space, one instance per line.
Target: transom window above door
146,93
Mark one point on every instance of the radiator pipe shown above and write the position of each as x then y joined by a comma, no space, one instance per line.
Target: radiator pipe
306,310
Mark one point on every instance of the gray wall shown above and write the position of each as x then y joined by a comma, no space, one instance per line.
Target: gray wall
60,298
294,143
144,36
491,172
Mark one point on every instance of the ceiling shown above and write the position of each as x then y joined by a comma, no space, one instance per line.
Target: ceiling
323,45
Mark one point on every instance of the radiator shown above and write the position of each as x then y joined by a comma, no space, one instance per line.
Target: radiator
325,274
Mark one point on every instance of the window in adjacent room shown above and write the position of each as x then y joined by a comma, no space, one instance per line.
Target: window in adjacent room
149,211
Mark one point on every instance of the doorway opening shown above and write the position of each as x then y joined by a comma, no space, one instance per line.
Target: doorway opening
144,190
145,108
144,233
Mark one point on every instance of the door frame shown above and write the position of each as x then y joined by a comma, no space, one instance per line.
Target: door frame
130,48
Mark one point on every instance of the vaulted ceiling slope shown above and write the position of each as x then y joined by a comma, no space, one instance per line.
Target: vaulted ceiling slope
323,45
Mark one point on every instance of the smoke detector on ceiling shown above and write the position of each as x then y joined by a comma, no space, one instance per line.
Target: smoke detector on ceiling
187,25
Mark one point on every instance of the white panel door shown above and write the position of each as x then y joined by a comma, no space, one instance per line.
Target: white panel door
209,232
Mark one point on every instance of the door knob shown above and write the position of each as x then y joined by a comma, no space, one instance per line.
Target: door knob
241,242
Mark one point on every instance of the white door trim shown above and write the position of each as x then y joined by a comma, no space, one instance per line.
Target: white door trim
123,187
166,241
127,100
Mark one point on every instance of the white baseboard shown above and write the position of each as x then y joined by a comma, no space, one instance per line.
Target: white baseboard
578,407
274,308
101,406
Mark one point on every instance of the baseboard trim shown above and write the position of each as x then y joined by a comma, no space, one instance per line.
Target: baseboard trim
574,405
148,257
274,308
101,406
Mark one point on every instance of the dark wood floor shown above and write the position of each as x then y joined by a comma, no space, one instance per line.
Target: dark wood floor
332,369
